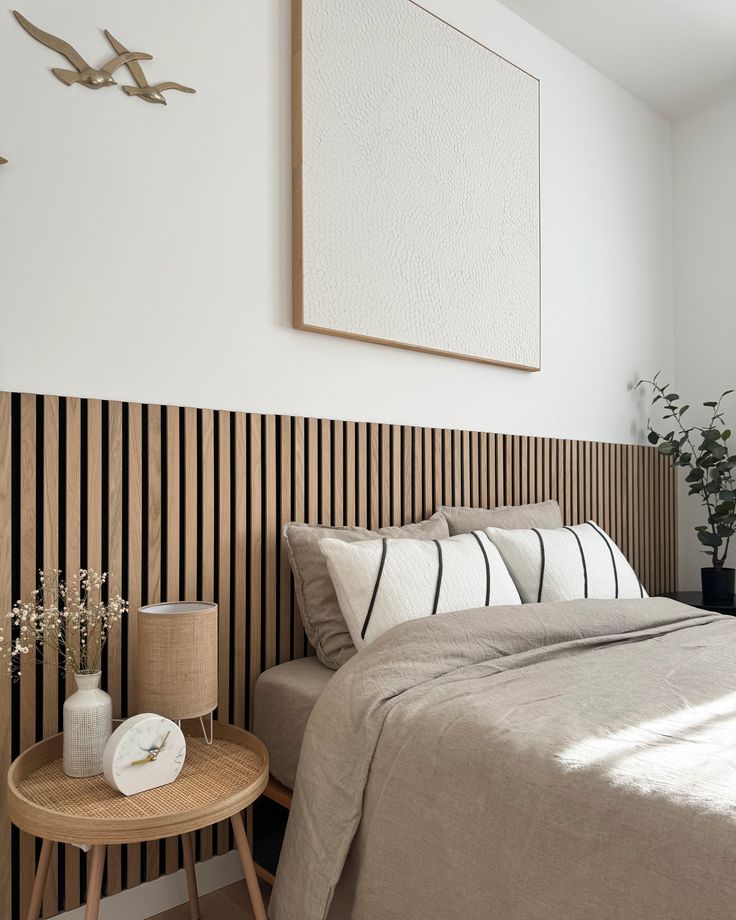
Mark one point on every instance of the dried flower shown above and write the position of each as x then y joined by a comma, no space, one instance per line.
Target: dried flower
68,618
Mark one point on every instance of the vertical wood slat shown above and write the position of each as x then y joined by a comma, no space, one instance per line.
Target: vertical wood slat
114,561
196,506
256,546
6,600
152,559
51,674
27,585
72,557
206,544
222,595
241,561
170,590
135,511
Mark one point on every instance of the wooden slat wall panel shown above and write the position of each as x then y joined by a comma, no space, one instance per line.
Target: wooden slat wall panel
186,503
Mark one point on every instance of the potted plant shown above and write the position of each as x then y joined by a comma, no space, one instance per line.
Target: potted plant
704,452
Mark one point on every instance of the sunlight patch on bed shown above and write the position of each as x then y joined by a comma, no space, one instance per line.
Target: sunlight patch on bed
688,755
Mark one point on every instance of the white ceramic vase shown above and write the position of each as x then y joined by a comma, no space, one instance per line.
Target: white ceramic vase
87,726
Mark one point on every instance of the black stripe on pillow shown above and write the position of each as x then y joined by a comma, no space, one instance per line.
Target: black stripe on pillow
488,567
439,577
541,569
582,557
610,550
375,587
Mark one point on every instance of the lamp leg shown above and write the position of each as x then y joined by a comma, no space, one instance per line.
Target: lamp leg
204,730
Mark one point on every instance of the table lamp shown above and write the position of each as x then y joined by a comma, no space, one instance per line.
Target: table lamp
177,661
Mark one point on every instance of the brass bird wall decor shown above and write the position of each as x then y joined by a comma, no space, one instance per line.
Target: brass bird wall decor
91,77
143,89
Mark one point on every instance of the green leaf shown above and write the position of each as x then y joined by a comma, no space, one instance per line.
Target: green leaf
710,539
672,397
727,495
684,409
716,450
665,447
725,435
710,405
695,475
701,528
652,437
724,530
726,393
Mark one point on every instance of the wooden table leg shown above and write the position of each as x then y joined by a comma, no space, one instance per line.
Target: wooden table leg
39,883
187,845
251,880
94,882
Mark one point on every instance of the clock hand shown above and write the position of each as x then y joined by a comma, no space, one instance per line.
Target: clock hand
153,753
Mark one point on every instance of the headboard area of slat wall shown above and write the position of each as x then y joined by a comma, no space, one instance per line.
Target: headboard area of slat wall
189,503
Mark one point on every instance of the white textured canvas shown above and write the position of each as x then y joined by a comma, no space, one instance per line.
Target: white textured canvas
420,184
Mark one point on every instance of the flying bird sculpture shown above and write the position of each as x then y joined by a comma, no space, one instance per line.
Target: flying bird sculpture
3,161
144,90
91,77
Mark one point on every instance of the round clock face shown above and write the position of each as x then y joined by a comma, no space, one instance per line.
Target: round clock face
144,752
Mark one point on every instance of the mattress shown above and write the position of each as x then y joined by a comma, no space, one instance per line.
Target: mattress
284,698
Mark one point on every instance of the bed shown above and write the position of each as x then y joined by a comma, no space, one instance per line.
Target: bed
553,761
284,698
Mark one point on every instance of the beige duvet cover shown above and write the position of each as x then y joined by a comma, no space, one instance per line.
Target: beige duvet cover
569,761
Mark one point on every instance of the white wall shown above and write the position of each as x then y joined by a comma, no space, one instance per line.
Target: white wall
704,241
145,251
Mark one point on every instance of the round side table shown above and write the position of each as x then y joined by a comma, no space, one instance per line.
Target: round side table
217,782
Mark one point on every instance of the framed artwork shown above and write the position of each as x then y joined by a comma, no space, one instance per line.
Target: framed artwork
416,184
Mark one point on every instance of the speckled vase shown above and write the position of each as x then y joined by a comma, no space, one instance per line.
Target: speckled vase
87,726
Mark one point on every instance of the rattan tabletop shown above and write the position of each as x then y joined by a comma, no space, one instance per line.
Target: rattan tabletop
216,782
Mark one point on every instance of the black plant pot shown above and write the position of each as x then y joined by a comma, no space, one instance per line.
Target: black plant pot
718,585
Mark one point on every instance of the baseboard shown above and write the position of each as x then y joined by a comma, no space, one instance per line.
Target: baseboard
166,892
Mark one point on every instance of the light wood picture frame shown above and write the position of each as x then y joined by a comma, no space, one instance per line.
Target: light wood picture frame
369,264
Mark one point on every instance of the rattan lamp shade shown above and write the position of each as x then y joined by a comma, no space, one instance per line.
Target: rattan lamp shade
177,659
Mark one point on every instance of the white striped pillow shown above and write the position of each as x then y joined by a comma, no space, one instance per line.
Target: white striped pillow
380,583
566,564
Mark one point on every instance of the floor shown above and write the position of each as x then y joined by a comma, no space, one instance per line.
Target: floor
229,903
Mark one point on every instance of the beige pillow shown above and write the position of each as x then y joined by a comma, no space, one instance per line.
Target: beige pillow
323,622
543,515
